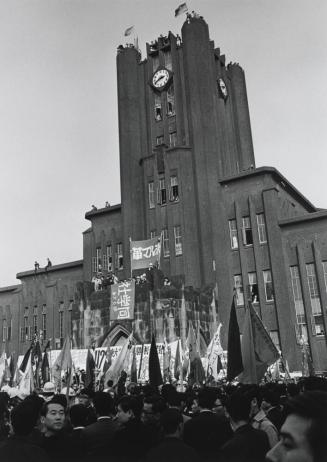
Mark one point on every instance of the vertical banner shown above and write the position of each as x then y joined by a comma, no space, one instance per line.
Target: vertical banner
122,300
144,253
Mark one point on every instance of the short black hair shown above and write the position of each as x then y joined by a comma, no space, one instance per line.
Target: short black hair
45,406
206,398
131,403
238,406
103,403
79,415
24,418
170,419
312,405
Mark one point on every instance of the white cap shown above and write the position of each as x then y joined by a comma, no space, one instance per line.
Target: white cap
70,394
49,388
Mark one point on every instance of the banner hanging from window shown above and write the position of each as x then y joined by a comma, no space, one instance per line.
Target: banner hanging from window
144,253
122,300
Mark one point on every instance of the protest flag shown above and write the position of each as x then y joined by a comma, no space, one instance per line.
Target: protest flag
178,363
3,360
108,360
26,384
213,354
114,371
196,370
63,363
45,368
25,360
89,371
128,31
234,358
181,9
155,376
134,366
145,253
258,350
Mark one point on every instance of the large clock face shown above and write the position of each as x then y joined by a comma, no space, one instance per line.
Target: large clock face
160,78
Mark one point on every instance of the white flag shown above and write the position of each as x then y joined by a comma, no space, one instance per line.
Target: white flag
213,352
128,31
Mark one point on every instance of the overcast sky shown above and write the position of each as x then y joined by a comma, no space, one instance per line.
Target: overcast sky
58,106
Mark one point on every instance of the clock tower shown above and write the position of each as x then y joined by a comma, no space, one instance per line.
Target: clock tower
183,126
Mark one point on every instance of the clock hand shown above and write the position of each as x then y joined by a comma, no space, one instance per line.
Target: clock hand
160,78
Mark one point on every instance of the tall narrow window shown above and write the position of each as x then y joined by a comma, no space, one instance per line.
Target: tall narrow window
26,326
168,60
317,318
119,256
173,191
238,286
153,233
247,231
253,287
178,240
157,107
151,194
162,193
4,330
261,228
155,62
268,285
301,327
61,326
96,261
35,321
159,140
171,101
109,257
233,234
324,268
165,235
172,139
44,321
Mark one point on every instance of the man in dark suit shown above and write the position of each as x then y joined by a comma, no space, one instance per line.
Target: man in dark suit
172,448
247,444
207,431
79,419
98,436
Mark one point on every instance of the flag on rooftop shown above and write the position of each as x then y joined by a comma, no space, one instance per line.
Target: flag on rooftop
128,31
234,358
258,349
181,9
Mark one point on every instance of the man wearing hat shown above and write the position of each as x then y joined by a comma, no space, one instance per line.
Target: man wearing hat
48,391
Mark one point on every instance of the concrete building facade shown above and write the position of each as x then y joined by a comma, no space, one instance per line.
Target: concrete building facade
188,174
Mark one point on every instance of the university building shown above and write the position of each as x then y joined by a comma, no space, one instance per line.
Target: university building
228,227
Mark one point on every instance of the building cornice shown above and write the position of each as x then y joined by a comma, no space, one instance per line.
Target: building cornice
9,288
95,213
278,177
321,215
52,269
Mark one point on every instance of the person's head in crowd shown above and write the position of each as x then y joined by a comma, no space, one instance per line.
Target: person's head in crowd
133,389
85,397
270,399
24,417
79,415
36,401
313,383
218,405
174,399
304,433
254,393
48,391
206,398
293,389
128,408
171,421
52,417
60,399
166,389
153,406
104,404
237,409
69,394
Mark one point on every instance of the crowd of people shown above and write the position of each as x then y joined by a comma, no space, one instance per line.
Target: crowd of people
277,422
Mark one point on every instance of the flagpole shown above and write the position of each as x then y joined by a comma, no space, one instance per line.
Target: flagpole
130,254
